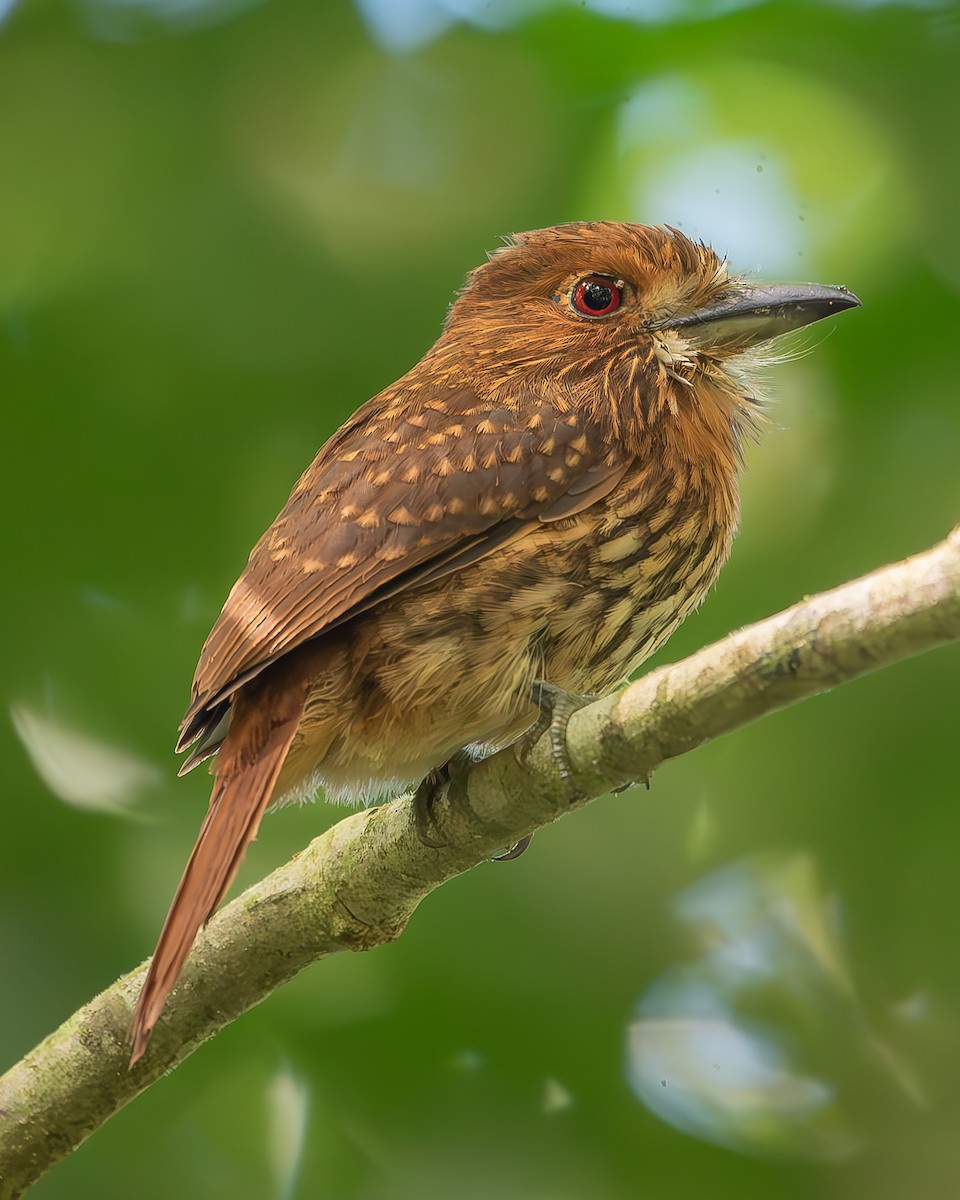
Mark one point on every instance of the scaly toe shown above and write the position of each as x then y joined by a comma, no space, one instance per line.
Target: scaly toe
556,708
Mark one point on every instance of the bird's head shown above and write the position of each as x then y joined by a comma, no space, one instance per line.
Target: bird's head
615,314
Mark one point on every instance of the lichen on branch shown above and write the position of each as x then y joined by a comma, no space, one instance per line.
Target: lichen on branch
358,884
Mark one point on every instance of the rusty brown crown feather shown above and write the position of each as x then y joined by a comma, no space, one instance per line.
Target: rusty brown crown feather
542,498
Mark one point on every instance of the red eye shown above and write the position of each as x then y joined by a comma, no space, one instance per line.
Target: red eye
596,296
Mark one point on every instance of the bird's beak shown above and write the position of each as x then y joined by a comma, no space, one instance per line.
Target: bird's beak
755,313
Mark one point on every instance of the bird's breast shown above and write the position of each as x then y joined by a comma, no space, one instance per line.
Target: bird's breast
614,582
578,603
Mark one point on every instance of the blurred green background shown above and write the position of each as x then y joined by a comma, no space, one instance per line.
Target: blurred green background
225,224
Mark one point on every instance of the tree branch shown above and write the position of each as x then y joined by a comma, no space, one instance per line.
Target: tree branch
358,884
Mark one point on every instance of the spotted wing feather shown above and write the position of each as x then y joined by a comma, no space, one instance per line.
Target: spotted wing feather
414,487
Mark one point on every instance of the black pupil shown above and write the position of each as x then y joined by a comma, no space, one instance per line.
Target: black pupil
597,296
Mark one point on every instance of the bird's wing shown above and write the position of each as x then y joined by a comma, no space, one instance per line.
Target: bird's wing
412,488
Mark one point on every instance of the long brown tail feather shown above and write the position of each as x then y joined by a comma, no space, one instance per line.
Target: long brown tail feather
262,729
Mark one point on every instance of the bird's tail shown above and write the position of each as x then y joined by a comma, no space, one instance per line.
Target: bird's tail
262,728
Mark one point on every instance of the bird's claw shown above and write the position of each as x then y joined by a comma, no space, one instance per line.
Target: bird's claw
556,708
625,787
423,801
427,792
515,850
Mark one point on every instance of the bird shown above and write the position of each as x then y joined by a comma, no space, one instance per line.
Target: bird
529,512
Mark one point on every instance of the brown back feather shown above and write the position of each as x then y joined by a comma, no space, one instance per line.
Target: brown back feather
418,485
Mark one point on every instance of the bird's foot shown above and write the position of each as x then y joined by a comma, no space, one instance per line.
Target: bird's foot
556,708
425,797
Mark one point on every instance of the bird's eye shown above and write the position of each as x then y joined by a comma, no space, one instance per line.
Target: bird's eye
596,296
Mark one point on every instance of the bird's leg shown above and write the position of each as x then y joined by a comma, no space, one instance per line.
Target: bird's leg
556,708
